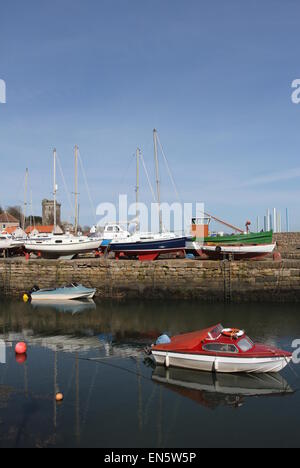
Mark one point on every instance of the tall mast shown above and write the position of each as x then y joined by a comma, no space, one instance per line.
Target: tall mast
25,199
157,178
76,189
54,189
31,210
138,153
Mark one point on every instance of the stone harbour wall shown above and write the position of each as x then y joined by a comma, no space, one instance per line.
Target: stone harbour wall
168,279
288,244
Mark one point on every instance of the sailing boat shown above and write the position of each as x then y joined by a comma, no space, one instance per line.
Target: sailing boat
244,245
63,246
8,243
149,246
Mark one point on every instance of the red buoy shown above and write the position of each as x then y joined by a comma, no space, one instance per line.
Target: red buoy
21,348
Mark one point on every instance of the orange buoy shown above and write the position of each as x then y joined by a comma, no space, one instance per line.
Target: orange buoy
21,348
59,397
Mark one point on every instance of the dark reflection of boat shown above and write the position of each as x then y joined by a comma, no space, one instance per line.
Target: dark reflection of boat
213,390
73,307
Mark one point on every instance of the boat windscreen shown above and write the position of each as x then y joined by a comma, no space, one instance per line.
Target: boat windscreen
216,332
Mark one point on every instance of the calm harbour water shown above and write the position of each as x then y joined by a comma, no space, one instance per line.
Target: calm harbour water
113,396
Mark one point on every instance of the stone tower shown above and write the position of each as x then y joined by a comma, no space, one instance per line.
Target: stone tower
48,213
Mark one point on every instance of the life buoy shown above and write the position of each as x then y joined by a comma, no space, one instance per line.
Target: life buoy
233,332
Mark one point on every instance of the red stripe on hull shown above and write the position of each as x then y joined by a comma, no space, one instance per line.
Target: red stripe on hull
213,255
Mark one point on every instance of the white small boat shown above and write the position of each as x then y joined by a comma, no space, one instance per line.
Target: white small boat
68,293
111,233
62,246
237,251
9,243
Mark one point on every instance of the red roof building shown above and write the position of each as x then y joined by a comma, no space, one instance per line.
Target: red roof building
8,221
35,230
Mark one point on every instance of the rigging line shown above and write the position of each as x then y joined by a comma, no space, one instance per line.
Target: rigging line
148,178
150,185
126,171
115,366
65,186
92,204
20,194
169,171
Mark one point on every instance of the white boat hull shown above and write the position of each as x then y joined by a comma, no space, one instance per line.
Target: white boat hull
246,385
61,297
10,244
68,249
238,252
240,249
221,364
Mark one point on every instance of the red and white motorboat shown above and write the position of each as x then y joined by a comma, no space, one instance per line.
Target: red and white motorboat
219,350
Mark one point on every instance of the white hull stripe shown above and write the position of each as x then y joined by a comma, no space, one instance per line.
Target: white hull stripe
220,359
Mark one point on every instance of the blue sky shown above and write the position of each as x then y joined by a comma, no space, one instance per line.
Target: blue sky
213,77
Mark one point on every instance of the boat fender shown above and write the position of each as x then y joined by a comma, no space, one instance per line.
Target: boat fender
26,297
163,339
167,361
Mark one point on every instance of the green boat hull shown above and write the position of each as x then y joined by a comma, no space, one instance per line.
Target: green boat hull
252,238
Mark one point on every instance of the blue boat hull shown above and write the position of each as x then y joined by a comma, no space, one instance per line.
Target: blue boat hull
151,247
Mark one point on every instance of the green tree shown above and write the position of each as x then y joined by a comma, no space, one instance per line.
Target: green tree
16,212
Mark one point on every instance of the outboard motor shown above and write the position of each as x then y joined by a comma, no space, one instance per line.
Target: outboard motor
163,339
27,296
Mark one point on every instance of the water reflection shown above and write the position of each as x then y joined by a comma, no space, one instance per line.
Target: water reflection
144,321
96,359
72,307
213,390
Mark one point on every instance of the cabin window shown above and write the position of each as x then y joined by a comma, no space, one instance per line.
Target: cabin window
58,242
220,348
245,344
